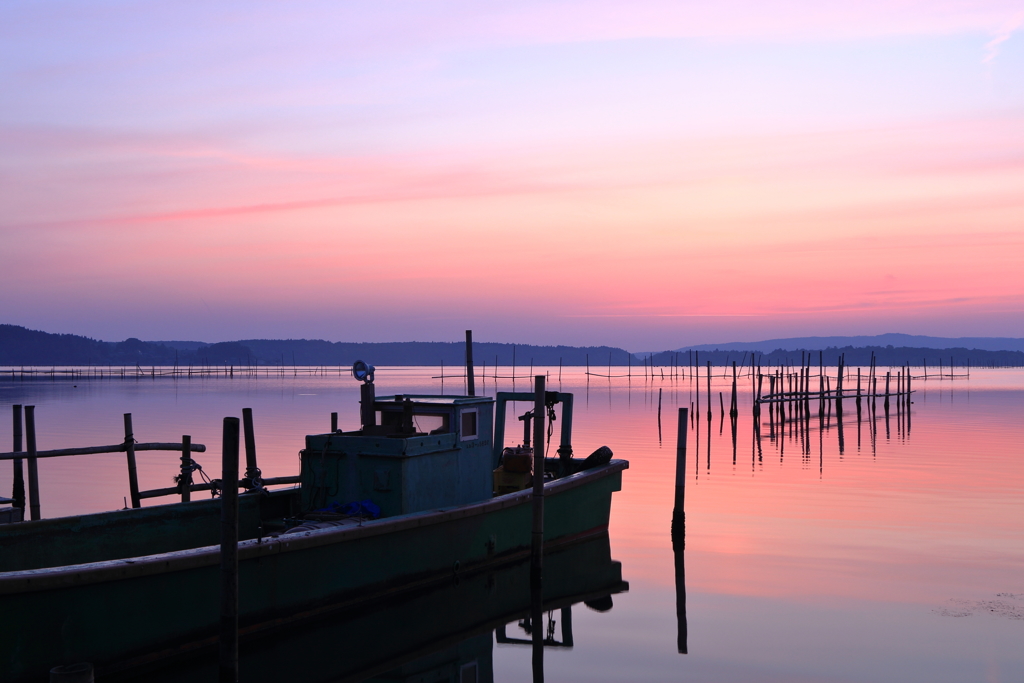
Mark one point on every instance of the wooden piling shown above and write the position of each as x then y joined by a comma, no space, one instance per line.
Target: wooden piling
33,463
709,390
229,553
537,536
129,449
659,415
185,477
821,385
679,533
253,475
470,379
18,487
733,411
678,514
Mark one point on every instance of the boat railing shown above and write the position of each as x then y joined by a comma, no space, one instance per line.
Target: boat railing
28,459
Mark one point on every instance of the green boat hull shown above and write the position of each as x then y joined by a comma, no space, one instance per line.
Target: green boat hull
133,612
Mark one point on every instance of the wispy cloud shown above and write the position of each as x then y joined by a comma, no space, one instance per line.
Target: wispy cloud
1001,36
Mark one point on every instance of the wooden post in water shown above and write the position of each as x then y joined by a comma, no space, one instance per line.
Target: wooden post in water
129,448
537,537
659,415
679,533
253,476
470,379
821,384
709,390
334,422
839,386
229,553
18,488
185,480
33,463
678,513
733,409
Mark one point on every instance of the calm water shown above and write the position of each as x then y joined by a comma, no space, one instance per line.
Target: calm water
899,558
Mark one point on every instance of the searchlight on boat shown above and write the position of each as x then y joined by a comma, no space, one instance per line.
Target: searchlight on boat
362,372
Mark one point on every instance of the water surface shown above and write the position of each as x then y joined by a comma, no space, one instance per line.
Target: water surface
900,557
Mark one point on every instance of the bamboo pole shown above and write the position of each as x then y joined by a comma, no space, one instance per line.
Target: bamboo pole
537,530
679,533
709,390
470,379
252,471
185,480
33,464
229,553
18,488
133,475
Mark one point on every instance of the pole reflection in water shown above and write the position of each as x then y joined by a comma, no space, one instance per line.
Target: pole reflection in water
447,632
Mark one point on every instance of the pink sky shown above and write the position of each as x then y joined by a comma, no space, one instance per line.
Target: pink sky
645,175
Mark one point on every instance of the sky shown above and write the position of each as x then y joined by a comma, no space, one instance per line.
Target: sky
640,174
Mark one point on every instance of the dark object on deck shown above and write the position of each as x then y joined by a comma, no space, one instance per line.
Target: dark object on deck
519,459
229,555
602,456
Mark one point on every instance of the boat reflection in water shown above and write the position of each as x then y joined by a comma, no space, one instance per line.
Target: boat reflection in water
447,633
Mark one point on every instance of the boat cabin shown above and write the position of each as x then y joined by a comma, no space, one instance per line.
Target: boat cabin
414,452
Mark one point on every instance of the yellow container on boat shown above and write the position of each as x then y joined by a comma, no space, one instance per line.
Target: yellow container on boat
510,482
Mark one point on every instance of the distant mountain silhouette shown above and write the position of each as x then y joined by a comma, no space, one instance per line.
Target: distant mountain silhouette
21,346
892,338
859,355
319,352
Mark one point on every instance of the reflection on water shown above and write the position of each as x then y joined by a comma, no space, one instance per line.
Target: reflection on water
447,633
820,545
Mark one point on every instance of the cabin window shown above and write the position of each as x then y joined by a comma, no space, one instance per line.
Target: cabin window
431,424
423,423
468,424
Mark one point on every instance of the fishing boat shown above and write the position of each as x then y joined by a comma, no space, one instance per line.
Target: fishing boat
424,491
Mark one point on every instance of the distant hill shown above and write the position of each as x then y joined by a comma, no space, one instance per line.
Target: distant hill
860,355
182,345
21,346
878,340
319,352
